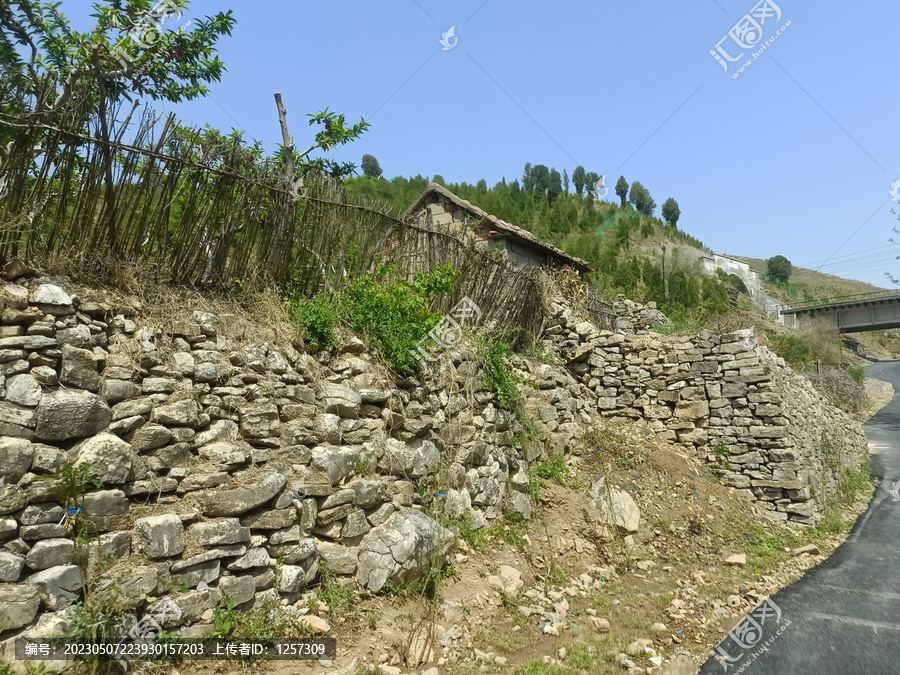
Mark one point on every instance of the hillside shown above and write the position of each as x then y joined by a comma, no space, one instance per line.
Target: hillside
807,285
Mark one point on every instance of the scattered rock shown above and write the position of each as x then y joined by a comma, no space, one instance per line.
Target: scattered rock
508,581
396,550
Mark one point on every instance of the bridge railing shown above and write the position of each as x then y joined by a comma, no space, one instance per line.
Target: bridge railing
861,297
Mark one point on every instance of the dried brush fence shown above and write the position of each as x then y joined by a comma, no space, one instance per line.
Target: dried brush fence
155,202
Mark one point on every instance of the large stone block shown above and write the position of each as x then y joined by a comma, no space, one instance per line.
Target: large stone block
67,414
692,410
225,453
260,421
19,604
398,549
16,456
238,501
58,586
238,589
23,390
219,532
158,536
181,413
79,369
50,553
340,400
112,460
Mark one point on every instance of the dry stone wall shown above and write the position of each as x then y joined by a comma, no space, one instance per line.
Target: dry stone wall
724,397
220,455
236,466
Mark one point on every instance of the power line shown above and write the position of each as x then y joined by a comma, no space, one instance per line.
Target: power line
848,255
854,231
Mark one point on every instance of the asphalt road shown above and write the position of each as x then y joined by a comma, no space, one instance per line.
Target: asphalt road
842,617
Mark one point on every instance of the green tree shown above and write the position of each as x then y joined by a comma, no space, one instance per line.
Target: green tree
527,178
671,212
129,52
578,180
641,199
439,179
565,181
622,189
371,167
540,176
779,268
554,186
590,180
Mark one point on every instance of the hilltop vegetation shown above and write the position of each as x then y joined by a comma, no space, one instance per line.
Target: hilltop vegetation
630,250
807,285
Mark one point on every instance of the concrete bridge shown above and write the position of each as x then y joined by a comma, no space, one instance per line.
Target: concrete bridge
854,313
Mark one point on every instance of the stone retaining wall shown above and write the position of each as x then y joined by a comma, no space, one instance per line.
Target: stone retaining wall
730,400
237,467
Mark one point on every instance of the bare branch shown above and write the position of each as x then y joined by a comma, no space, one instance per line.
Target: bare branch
286,136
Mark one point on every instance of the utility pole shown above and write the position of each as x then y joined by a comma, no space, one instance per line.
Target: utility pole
665,281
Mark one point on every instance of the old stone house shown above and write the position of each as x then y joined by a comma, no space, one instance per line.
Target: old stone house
437,207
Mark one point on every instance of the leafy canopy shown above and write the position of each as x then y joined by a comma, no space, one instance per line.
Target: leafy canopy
779,268
671,212
139,48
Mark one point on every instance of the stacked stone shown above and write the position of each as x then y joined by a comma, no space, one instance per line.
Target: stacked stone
725,398
633,317
219,455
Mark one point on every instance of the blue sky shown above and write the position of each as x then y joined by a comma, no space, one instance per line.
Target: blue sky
793,157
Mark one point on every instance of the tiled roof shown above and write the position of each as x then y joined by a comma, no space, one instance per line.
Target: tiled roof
500,225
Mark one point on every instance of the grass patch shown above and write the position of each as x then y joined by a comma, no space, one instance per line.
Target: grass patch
554,469
342,601
486,538
267,622
663,600
539,667
764,550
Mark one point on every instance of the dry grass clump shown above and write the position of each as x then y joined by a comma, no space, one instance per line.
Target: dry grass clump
141,289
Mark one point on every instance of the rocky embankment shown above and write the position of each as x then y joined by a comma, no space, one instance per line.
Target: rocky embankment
233,466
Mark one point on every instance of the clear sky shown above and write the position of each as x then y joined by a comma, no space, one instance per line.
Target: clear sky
796,156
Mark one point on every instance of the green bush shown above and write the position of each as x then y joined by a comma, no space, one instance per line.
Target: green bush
793,349
395,314
318,317
857,373
497,376
554,469
392,313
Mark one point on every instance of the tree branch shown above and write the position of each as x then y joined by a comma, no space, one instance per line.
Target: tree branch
286,136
